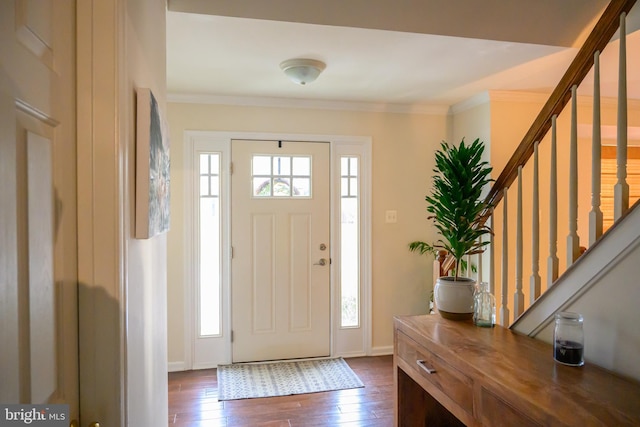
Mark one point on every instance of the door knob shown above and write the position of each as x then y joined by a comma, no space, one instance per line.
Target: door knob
73,423
322,261
94,425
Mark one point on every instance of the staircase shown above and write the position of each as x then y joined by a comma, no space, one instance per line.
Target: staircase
598,273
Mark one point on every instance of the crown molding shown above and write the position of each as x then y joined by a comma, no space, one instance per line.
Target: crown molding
475,101
530,97
427,109
489,96
518,96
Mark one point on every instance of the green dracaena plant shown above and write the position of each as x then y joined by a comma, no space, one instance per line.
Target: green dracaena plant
454,204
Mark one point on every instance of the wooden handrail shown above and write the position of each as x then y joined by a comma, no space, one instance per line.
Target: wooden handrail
602,33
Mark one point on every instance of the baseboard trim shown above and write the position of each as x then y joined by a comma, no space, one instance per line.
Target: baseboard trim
198,366
176,366
382,351
351,354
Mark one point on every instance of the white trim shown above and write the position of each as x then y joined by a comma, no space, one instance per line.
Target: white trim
186,98
517,96
477,100
340,144
195,143
382,351
349,341
188,274
196,366
352,354
176,366
528,97
101,125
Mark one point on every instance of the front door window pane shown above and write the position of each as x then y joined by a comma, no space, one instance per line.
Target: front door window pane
281,176
302,166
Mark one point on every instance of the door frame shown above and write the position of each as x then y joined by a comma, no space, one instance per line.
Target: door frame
346,342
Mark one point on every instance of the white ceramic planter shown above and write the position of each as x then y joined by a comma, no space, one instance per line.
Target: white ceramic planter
454,298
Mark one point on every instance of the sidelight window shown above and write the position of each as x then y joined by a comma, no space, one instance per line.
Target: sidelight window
349,242
210,234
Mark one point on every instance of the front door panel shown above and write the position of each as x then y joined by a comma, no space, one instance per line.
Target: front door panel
280,238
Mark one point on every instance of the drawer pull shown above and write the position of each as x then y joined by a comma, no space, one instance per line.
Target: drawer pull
427,369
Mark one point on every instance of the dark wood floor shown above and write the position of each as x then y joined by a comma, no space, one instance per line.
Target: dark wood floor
193,402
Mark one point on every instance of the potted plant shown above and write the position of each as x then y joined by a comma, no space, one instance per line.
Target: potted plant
455,207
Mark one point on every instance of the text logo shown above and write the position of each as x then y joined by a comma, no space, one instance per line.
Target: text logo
34,415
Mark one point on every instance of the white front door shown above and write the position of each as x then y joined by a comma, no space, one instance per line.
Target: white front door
281,256
38,255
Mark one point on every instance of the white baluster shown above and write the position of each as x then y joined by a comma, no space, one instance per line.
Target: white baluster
436,275
518,296
573,241
553,261
504,309
480,263
595,216
621,189
534,292
492,257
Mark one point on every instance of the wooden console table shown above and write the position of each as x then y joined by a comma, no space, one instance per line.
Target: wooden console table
453,373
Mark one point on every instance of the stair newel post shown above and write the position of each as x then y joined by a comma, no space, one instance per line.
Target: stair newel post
518,296
504,308
553,261
595,216
621,189
534,292
573,240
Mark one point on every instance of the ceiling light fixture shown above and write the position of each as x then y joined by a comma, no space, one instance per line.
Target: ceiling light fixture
302,71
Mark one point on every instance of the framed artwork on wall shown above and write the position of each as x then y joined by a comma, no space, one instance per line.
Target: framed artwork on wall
152,168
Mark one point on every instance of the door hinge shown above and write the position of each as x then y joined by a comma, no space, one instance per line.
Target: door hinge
231,336
231,252
231,168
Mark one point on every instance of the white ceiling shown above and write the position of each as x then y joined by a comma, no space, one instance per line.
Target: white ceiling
388,58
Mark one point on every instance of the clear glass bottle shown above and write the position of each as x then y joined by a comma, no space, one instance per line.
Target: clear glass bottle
568,339
484,307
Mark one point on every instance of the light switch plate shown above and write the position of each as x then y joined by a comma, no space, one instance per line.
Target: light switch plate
391,217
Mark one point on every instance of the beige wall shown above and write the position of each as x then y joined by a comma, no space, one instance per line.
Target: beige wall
146,294
471,123
403,146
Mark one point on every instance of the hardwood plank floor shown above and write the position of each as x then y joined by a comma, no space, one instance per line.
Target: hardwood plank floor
193,402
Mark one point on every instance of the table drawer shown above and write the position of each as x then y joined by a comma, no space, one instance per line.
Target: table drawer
446,378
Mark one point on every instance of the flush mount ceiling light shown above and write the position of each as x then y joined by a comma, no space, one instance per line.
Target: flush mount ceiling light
302,71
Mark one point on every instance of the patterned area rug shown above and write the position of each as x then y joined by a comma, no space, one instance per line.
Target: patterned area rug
247,381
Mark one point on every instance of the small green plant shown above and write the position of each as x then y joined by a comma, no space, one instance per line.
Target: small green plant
454,202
